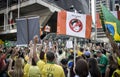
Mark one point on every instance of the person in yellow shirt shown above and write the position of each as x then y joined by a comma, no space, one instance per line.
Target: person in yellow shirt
80,52
31,69
51,69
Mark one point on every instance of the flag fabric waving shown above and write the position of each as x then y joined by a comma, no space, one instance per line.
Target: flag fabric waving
110,22
112,28
74,24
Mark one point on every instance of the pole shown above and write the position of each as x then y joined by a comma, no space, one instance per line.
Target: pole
18,8
75,43
93,12
113,5
4,21
27,32
7,15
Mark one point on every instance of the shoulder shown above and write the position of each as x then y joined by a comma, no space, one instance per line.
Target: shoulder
40,62
58,67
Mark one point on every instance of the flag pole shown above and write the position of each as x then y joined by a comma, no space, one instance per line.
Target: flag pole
93,12
75,39
113,5
75,43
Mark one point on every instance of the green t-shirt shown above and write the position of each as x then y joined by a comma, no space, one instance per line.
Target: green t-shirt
103,60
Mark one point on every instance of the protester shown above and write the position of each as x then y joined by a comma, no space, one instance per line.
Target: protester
93,68
111,67
103,61
81,68
31,69
49,69
18,68
116,73
64,66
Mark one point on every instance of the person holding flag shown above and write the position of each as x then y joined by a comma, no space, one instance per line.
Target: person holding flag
111,26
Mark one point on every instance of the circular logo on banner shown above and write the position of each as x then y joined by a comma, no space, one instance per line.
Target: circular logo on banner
75,25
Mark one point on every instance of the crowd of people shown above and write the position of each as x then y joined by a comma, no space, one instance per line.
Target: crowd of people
40,60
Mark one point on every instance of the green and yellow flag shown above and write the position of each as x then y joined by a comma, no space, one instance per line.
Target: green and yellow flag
110,22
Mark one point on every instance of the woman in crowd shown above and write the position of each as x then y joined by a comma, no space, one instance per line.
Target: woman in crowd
17,70
93,68
81,68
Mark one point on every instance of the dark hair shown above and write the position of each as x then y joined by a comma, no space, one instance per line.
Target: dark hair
93,68
81,68
33,62
60,52
71,57
64,61
42,53
81,49
50,56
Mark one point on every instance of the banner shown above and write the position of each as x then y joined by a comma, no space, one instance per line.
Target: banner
27,28
22,31
33,27
74,24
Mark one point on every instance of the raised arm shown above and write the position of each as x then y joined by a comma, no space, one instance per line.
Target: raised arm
34,48
113,44
10,64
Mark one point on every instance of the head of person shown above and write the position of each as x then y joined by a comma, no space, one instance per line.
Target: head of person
111,59
81,68
50,56
99,53
18,63
92,62
60,52
64,62
93,68
18,71
87,54
81,49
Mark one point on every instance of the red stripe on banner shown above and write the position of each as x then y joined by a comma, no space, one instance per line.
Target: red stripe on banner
88,26
61,22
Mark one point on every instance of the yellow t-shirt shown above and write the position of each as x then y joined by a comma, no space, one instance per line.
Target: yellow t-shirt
79,53
40,64
52,70
26,70
32,71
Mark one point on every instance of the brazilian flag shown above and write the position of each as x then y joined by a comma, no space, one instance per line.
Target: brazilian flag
110,22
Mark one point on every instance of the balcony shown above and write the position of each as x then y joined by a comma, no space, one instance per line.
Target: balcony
28,8
8,29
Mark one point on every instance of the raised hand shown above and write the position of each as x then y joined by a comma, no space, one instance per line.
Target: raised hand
36,39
